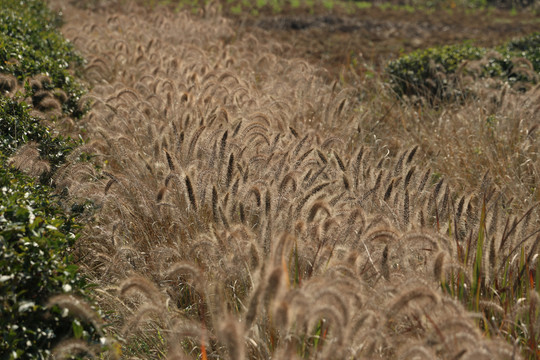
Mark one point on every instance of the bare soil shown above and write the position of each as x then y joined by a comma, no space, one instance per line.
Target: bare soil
377,36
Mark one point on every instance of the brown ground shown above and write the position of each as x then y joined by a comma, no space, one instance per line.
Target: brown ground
381,35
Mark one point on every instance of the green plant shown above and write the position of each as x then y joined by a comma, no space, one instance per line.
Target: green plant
434,72
527,47
363,4
424,72
41,292
30,45
17,128
491,282
35,238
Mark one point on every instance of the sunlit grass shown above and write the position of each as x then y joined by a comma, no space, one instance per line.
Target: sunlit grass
254,208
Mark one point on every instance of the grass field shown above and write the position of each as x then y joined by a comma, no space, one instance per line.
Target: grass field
253,187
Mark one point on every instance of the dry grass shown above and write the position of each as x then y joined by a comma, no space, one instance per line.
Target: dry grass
250,208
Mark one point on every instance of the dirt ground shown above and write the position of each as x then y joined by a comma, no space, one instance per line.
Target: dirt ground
375,36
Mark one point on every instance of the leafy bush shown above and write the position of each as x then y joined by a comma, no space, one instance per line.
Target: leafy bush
35,236
30,45
432,72
17,128
527,47
34,240
424,72
36,274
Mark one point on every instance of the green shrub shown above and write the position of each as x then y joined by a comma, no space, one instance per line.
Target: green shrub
527,47
35,234
432,72
17,128
35,238
30,45
425,72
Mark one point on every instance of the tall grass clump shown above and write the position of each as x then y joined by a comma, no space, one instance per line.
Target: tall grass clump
248,211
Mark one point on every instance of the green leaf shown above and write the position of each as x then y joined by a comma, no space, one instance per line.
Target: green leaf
77,329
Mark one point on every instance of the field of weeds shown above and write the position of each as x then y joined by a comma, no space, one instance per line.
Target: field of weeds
253,186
